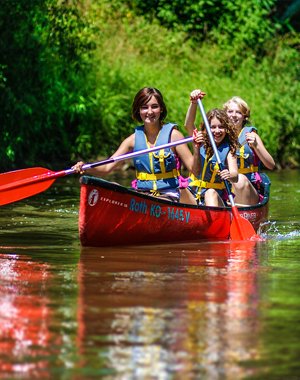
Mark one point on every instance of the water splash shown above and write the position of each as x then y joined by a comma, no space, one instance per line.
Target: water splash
272,230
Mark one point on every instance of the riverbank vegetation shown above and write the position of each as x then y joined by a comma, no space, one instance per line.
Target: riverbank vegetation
69,71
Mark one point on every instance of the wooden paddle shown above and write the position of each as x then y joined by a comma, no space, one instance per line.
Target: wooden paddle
241,228
24,183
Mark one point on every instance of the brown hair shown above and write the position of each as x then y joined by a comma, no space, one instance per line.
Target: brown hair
143,97
231,134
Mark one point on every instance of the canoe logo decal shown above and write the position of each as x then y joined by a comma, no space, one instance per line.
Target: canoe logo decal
251,216
93,197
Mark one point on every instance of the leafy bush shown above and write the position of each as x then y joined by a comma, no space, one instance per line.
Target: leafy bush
69,72
43,59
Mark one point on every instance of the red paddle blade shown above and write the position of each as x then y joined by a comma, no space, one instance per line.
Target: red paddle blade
22,174
241,228
24,183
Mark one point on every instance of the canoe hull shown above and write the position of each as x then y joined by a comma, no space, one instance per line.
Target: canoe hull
111,214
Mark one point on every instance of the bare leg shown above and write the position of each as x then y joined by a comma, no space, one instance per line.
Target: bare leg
187,197
212,198
245,192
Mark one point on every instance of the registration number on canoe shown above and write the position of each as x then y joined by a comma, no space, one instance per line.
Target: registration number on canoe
172,213
178,214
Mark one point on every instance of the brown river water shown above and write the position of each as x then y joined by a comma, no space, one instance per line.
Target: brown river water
206,310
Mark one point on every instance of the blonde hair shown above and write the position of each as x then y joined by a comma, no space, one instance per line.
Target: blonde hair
243,107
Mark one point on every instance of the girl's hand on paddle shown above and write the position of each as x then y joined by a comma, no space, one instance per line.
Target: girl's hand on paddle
195,95
251,139
224,174
78,167
198,138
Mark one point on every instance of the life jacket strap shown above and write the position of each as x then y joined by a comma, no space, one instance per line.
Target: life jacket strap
203,184
155,177
211,185
155,193
250,169
194,181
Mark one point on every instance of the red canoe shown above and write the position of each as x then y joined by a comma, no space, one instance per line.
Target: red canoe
111,214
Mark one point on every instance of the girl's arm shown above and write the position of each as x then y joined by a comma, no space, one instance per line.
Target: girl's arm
255,142
182,150
190,118
199,140
230,174
192,110
125,147
196,166
191,162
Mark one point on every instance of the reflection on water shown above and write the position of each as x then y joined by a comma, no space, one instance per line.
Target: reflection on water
36,317
191,311
39,251
25,314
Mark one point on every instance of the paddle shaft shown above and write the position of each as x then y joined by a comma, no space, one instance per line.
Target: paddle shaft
137,153
47,175
240,229
215,149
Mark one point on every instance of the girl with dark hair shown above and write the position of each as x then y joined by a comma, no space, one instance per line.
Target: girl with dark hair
157,173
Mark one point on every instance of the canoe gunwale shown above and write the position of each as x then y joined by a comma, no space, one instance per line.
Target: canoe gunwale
96,181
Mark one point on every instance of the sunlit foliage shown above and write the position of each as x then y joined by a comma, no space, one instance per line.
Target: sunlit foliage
69,71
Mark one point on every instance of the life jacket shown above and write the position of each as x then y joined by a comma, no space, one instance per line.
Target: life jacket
208,178
156,170
210,167
248,162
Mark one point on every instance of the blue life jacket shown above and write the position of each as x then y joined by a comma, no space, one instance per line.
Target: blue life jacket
248,162
210,167
209,178
156,170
